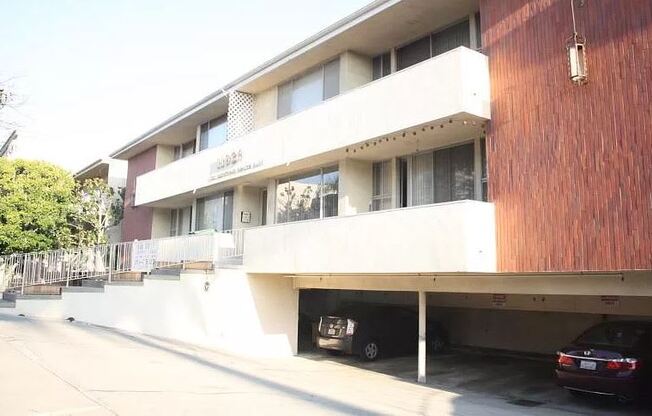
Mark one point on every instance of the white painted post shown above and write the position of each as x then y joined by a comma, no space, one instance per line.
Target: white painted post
110,262
421,372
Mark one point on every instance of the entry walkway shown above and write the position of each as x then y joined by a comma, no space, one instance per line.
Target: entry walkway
61,368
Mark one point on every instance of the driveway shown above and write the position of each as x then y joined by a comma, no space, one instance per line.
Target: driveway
62,368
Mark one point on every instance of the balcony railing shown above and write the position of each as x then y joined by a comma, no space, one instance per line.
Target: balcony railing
18,271
454,84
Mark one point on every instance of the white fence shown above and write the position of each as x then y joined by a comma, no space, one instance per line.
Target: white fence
18,271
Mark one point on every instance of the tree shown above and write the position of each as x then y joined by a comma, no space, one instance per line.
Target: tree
98,207
37,205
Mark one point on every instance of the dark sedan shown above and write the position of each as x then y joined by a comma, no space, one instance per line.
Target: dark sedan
612,358
374,330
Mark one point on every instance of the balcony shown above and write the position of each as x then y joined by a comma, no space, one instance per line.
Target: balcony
452,85
448,237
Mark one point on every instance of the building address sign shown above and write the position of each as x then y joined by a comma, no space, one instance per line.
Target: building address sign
229,164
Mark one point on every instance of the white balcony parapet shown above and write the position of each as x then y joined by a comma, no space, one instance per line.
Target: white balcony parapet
455,83
441,238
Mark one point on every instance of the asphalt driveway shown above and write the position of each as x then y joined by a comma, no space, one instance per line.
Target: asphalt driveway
62,368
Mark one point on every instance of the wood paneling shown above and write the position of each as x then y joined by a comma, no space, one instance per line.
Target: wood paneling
570,168
137,221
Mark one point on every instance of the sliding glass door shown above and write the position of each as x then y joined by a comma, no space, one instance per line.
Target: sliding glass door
215,212
443,175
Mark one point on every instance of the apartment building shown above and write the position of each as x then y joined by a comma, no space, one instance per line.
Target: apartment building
485,162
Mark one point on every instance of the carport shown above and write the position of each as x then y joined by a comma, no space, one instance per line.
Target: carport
596,295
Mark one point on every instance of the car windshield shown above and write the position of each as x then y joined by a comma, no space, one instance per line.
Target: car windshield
614,334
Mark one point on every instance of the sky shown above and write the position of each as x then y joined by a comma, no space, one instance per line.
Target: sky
88,76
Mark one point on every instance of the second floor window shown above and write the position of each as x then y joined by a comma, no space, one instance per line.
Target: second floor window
443,175
309,196
184,150
215,212
309,89
434,44
213,133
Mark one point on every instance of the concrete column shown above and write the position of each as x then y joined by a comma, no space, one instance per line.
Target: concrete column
421,371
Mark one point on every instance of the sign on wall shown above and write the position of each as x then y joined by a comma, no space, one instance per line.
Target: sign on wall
143,256
229,164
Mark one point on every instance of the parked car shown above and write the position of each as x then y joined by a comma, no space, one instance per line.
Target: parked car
612,358
374,330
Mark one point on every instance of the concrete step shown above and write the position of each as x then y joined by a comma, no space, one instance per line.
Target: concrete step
93,283
43,290
38,297
9,296
199,265
124,283
82,289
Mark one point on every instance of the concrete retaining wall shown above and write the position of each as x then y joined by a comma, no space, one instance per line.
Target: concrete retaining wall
240,313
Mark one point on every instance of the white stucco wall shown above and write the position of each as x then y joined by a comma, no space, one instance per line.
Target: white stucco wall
355,70
249,315
247,198
355,186
160,223
449,237
265,107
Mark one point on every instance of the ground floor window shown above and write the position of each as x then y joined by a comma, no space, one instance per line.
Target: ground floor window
215,212
443,175
180,221
308,196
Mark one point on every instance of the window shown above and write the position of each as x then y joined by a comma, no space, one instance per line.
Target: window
443,175
213,133
381,197
263,208
434,44
180,221
308,196
478,30
310,89
184,150
484,178
382,65
215,212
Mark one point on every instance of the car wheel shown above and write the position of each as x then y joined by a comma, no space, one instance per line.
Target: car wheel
370,351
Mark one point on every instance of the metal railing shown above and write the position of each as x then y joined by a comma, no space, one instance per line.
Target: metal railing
18,271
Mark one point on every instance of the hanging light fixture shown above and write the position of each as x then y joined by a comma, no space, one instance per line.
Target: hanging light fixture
576,49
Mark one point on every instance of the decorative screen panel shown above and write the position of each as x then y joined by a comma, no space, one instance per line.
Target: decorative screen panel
240,115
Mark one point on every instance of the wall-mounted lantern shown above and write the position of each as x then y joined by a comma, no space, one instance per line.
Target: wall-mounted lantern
576,50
